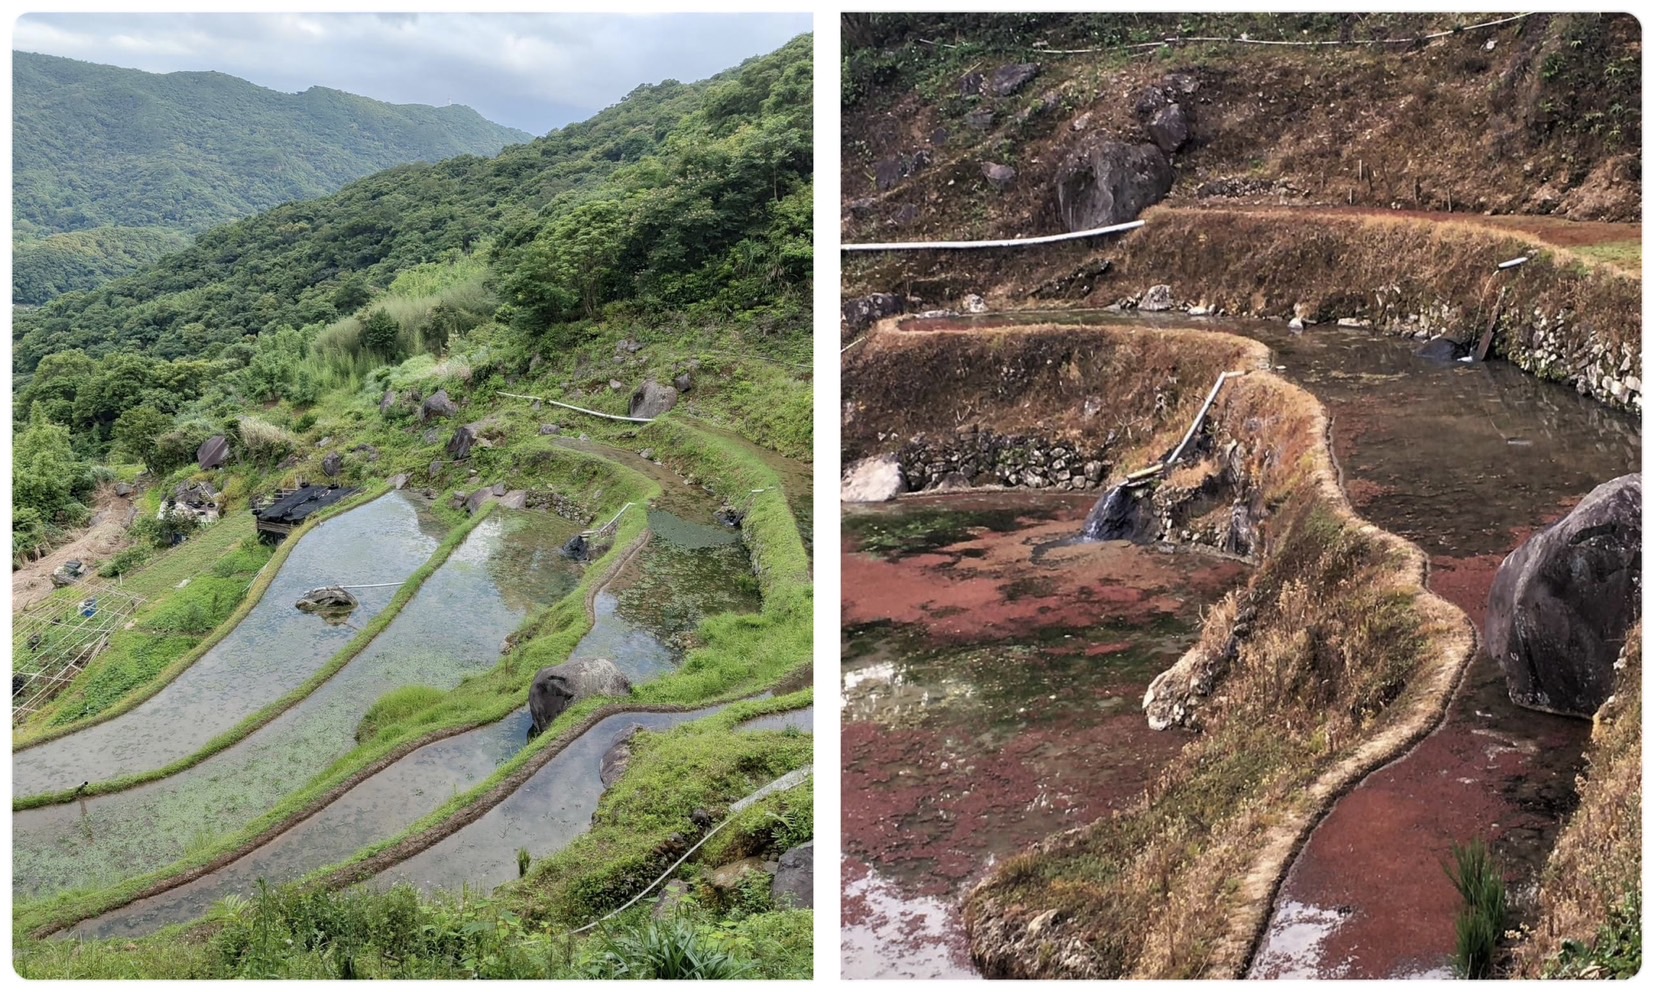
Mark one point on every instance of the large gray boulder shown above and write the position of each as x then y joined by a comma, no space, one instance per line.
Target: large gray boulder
793,886
1562,603
653,400
558,687
1169,127
213,453
873,480
1105,181
459,446
437,404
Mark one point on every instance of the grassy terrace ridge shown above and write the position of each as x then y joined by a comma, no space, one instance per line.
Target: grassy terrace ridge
742,655
25,737
1349,660
247,727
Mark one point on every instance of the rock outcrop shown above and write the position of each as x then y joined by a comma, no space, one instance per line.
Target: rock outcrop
1106,181
558,687
213,453
653,400
1562,603
793,886
437,404
618,756
862,312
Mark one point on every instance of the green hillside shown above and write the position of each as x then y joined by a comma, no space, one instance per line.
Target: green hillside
129,160
681,215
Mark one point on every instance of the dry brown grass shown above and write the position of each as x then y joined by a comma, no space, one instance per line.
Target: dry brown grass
1143,385
1448,127
1597,859
1351,660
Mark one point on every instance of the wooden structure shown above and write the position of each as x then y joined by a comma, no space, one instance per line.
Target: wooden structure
291,507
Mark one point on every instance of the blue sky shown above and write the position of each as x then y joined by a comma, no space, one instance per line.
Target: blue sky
530,71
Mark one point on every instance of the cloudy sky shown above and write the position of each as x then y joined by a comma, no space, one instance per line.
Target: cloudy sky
530,71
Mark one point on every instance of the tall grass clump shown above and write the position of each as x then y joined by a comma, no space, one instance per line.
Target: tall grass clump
265,442
664,949
1486,906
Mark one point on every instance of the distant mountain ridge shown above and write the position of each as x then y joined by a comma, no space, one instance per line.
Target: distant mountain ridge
145,159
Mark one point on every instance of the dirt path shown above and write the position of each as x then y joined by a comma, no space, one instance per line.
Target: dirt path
106,537
1557,232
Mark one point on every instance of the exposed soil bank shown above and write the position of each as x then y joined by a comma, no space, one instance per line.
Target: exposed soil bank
992,672
1557,316
1544,121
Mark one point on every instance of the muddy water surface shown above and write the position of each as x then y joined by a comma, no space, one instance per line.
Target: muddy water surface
268,654
993,672
453,627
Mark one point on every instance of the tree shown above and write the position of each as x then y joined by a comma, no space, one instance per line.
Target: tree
46,476
136,432
381,334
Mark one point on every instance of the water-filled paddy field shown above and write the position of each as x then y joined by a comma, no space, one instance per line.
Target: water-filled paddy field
992,669
1466,460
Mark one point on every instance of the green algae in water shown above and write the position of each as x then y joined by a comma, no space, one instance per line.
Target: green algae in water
687,534
917,531
680,586
892,678
528,567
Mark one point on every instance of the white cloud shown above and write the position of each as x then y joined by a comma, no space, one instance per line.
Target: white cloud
532,71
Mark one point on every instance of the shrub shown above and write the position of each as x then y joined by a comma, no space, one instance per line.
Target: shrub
125,562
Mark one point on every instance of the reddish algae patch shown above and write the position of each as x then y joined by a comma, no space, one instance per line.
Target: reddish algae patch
992,685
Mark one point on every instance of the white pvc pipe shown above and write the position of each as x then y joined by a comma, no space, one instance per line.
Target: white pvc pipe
1006,243
1199,417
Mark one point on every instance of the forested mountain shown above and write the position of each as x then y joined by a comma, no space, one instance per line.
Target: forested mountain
678,193
681,215
113,167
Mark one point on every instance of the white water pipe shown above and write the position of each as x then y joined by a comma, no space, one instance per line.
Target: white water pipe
570,406
1006,243
1212,398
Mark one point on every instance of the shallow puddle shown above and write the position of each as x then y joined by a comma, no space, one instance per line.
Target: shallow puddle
993,674
454,626
268,654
